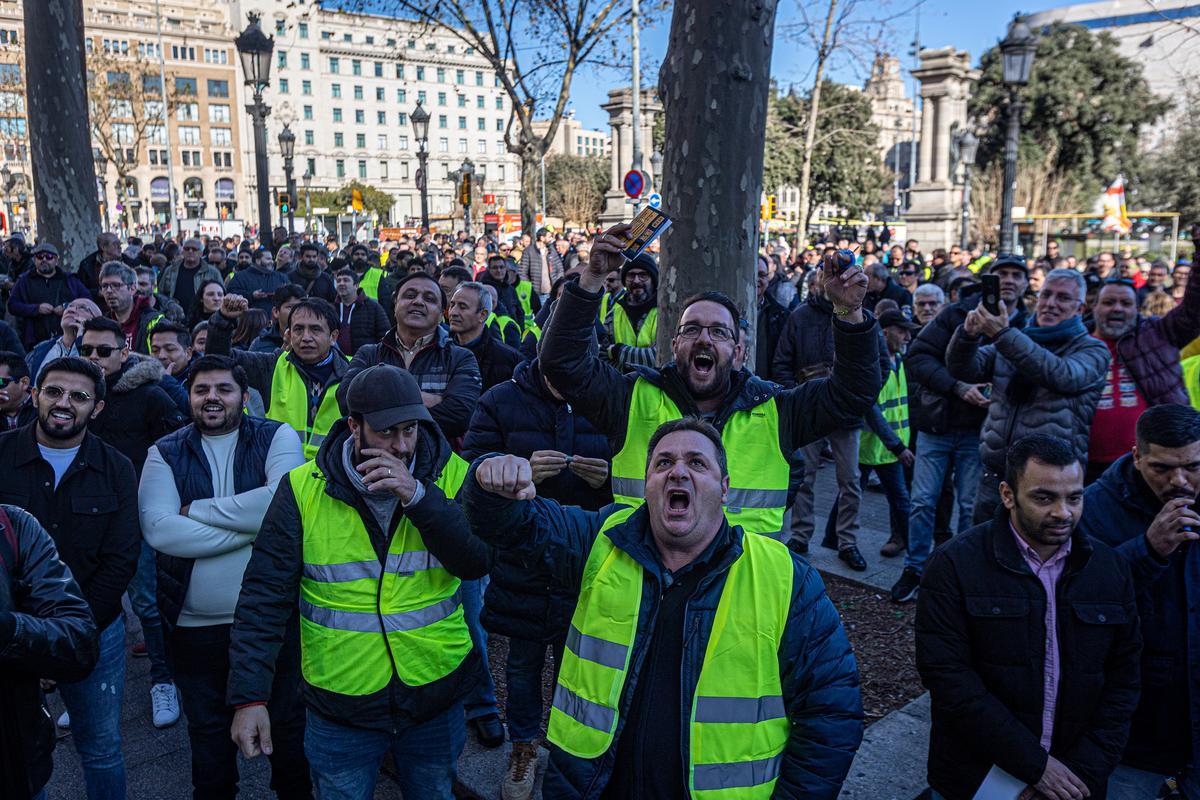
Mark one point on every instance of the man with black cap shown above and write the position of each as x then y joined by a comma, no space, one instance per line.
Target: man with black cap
632,321
367,542
310,274
40,296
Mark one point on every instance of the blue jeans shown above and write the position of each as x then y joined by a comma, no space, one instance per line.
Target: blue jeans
94,704
938,454
141,599
1130,783
481,701
345,761
523,711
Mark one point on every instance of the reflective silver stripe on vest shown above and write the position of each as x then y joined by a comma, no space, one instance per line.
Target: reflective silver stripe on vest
739,709
412,561
629,487
599,651
341,573
585,712
757,498
736,774
315,439
368,622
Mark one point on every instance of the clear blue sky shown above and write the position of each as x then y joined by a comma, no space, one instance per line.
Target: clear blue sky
971,25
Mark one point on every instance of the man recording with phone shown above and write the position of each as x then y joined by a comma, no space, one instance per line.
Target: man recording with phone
1144,507
761,423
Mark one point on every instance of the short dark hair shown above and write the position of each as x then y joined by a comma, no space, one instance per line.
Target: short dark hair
1043,448
79,366
287,292
690,424
1169,425
310,246
497,259
199,328
346,272
413,276
721,299
17,368
460,274
219,364
105,325
319,308
182,334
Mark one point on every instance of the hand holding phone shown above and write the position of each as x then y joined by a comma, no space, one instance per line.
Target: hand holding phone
991,293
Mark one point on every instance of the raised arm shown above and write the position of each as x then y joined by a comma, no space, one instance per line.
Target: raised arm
1070,374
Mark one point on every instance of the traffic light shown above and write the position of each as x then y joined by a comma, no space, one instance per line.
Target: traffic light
772,206
284,202
464,191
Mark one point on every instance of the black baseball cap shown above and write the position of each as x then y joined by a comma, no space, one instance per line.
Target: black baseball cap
1008,261
895,319
385,396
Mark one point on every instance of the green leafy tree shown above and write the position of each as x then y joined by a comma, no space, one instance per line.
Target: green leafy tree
847,169
373,200
575,187
1171,178
1084,109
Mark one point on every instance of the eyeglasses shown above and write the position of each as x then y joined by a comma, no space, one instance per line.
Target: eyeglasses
691,330
907,272
45,256
114,287
102,350
4,382
55,393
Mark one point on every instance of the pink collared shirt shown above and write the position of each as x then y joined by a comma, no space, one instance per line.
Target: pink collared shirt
1047,573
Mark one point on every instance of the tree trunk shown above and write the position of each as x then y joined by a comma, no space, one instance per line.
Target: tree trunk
60,149
714,85
810,133
531,187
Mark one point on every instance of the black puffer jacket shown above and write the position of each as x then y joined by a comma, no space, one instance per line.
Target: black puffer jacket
980,633
137,411
368,323
519,417
46,631
495,358
779,300
933,405
271,590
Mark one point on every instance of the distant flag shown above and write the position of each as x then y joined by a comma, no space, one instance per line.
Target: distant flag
1115,218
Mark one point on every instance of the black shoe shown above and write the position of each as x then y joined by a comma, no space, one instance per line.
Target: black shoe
906,588
488,730
797,546
853,558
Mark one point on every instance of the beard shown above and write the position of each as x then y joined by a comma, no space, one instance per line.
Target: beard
1040,529
226,422
70,432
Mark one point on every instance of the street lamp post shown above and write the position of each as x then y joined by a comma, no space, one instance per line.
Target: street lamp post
307,178
1017,51
101,173
968,144
420,123
255,48
656,161
287,146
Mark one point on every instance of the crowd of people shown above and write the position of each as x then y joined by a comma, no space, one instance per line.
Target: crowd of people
323,475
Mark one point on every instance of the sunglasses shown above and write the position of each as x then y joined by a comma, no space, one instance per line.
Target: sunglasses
102,350
45,256
907,272
1120,282
6,382
55,393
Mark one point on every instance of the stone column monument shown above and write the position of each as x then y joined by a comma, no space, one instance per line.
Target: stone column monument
618,208
934,215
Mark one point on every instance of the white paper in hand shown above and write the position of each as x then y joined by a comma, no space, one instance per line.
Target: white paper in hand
999,785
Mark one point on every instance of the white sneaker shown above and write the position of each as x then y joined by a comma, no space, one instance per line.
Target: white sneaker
518,779
64,721
164,704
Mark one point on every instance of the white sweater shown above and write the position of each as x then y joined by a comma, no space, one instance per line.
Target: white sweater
217,532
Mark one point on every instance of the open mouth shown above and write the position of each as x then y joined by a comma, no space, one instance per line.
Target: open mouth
213,408
678,502
62,416
704,363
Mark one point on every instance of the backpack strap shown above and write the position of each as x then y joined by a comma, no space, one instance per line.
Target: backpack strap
8,543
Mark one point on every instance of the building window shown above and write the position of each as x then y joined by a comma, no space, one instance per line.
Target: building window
378,69
281,58
218,88
462,101
441,98
404,170
218,112
303,30
460,76
383,170
308,138
381,118
355,67
335,90
184,86
500,125
441,75
337,115
442,121
499,103
403,143
188,134
462,145
346,37
421,96
481,147
222,137
462,123
333,65
479,77
187,112
360,140
479,101
481,124
358,93
402,118
340,168
362,169
306,88
420,73
326,36
379,94
443,145
308,114
281,26
400,71
381,141
360,116
304,62
339,139
501,175
283,86
401,96
312,166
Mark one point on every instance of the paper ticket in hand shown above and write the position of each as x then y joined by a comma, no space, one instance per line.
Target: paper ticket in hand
647,226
